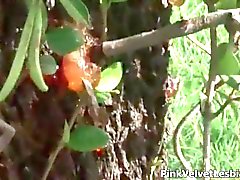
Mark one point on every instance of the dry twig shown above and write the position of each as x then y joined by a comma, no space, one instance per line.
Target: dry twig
178,29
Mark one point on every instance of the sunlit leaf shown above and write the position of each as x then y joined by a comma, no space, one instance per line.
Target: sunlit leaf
87,138
77,10
102,97
110,77
48,64
227,62
233,81
63,40
226,4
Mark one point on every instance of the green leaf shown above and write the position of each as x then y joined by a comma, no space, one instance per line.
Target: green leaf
77,10
20,54
115,91
216,130
44,18
33,54
233,81
227,62
87,138
66,132
110,77
63,40
44,13
226,4
48,64
102,97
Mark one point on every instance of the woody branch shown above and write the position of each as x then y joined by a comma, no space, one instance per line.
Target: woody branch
178,29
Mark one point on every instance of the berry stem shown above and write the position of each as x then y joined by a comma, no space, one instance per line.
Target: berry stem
79,110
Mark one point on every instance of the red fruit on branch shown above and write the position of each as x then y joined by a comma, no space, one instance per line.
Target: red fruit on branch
99,152
50,79
56,80
76,68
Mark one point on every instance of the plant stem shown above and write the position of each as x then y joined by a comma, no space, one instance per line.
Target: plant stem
104,11
207,115
78,110
155,37
176,137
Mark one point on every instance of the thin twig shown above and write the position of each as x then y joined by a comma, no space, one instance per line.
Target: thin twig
196,42
178,29
210,94
227,102
178,130
176,137
199,44
78,111
104,11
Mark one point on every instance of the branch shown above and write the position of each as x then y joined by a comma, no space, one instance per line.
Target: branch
210,90
178,130
178,29
176,137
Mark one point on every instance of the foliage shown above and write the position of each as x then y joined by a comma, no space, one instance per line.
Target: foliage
61,40
87,138
48,64
227,62
21,53
77,10
64,40
191,65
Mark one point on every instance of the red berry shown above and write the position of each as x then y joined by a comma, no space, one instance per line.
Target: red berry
99,152
56,80
50,79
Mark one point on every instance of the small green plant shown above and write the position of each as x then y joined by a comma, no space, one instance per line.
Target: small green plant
22,50
191,65
227,62
30,41
110,78
85,138
62,41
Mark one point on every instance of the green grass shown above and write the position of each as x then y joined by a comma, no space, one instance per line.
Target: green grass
191,65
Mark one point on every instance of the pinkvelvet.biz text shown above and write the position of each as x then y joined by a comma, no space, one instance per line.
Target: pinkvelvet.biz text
166,173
